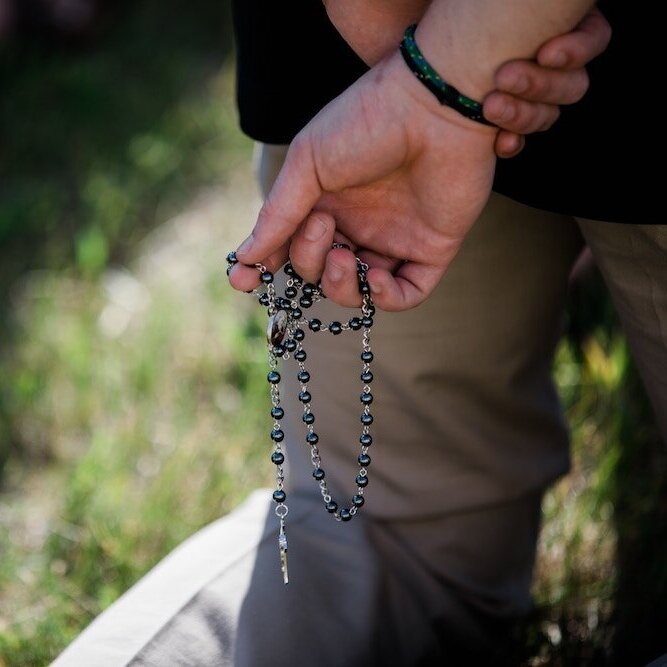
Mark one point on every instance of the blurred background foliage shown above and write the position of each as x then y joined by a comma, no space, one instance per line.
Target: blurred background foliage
132,381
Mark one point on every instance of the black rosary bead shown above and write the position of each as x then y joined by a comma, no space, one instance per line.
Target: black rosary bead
364,288
367,322
263,299
304,396
364,460
312,438
344,514
303,377
300,355
358,500
290,345
298,334
278,350
232,258
278,458
366,377
367,356
335,328
283,304
309,289
305,302
366,398
367,419
273,377
318,474
308,417
314,324
289,270
277,412
371,310
277,435
355,323
266,277
290,292
362,480
297,313
366,439
279,496
331,506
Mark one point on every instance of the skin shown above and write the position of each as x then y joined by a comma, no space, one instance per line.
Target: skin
383,156
528,94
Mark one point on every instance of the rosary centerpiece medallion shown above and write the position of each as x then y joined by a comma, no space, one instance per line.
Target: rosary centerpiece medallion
286,331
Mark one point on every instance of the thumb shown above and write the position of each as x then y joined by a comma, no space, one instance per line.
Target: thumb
292,197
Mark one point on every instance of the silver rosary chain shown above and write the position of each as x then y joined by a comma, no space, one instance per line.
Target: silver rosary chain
286,320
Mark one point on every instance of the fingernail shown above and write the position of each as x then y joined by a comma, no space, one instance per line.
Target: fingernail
335,272
315,229
520,84
376,288
245,246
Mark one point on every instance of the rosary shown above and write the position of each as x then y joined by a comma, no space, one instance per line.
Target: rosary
285,335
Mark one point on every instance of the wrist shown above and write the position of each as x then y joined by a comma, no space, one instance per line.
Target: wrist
467,66
443,91
419,99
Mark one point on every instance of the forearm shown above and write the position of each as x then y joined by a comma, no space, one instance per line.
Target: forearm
373,28
466,42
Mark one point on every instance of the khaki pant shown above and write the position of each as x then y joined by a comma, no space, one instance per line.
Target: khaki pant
468,434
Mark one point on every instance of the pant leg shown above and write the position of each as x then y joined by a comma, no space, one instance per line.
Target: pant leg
633,261
468,429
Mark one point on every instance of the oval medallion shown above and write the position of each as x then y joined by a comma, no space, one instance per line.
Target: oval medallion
276,327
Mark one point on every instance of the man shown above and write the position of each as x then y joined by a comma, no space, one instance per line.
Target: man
462,381
436,568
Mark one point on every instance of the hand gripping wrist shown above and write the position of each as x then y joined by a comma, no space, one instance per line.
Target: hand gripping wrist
445,93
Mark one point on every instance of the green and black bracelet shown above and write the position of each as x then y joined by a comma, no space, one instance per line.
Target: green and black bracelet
444,92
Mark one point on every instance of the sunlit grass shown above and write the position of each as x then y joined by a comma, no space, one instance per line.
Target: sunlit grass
145,393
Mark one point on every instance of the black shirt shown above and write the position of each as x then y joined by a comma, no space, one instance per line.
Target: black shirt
593,163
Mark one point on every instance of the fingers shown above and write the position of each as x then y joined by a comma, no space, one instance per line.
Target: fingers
293,195
531,82
339,280
411,285
246,278
518,116
310,245
576,49
509,144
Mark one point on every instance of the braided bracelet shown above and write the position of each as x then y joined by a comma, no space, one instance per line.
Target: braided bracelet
446,94
285,336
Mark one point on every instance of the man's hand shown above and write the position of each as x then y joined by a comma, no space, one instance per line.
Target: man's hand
401,176
528,93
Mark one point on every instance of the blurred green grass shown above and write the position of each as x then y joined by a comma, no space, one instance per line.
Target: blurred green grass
131,380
